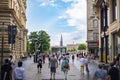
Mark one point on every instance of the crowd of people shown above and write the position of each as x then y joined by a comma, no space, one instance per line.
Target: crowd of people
111,73
8,72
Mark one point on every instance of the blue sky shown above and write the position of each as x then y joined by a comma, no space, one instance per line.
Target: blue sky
56,17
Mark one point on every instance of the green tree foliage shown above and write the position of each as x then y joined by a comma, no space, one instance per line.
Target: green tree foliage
82,47
72,50
33,39
39,41
28,46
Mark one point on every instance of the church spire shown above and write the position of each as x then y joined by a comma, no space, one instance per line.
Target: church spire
61,41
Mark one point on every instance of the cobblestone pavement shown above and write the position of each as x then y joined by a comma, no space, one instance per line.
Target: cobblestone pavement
73,74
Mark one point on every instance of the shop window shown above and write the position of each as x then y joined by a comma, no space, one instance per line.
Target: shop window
114,10
115,43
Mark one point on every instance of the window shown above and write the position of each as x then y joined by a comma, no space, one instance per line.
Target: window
95,36
95,23
114,10
115,43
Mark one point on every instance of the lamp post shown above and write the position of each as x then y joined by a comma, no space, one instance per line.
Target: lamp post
104,31
2,46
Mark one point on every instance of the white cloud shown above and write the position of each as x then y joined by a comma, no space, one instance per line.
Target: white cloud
75,16
47,2
69,38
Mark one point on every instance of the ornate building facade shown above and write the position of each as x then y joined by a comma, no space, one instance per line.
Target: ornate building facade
92,29
13,12
108,13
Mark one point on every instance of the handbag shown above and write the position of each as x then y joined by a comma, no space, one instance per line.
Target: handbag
95,78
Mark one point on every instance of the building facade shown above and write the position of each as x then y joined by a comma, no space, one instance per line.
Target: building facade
13,12
108,13
92,29
71,47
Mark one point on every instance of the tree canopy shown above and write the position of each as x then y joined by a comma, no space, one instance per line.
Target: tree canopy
82,47
39,41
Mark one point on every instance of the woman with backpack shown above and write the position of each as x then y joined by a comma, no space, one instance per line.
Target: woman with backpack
65,66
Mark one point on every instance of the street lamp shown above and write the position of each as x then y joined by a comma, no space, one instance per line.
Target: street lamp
104,31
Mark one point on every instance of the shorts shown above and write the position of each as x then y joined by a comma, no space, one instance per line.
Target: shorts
39,66
53,69
81,67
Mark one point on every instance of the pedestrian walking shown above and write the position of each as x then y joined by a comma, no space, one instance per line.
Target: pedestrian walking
43,58
65,67
100,73
73,57
53,64
39,65
59,58
11,61
19,72
86,63
82,64
30,55
113,73
6,71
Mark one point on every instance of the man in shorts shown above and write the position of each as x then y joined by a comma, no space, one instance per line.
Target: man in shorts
53,64
39,65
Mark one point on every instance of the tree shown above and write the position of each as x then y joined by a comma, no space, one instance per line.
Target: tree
82,47
28,46
33,39
43,41
39,41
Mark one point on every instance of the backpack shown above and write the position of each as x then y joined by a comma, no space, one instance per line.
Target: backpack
39,61
66,65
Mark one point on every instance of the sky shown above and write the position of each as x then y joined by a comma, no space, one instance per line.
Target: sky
58,17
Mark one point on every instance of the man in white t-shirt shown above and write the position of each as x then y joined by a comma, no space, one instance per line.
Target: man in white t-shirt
19,72
83,61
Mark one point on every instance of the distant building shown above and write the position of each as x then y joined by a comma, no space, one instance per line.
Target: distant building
59,49
92,29
72,46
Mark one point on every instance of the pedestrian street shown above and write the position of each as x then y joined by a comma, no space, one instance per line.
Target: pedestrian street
73,74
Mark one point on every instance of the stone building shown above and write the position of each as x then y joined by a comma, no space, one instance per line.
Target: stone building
72,47
92,29
13,12
108,13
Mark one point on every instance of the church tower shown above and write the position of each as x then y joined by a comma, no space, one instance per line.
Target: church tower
61,41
